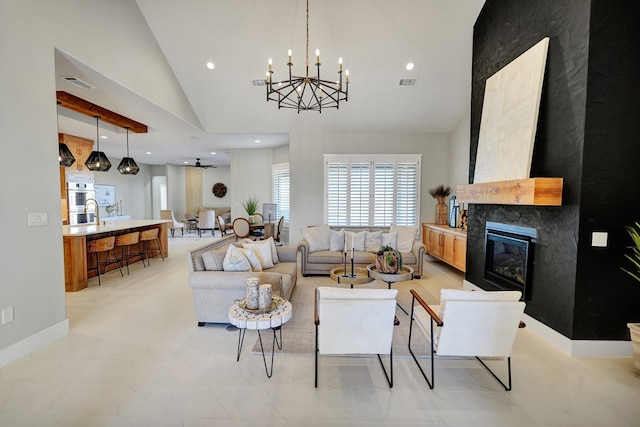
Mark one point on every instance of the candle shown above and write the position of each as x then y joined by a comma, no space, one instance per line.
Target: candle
345,244
252,293
264,297
289,56
318,56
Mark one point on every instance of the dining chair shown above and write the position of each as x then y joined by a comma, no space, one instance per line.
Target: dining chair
168,214
279,229
355,322
258,219
241,228
206,221
222,226
468,323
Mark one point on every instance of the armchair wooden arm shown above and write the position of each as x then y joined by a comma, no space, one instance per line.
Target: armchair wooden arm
424,305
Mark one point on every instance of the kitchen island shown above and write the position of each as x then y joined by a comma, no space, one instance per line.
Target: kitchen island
75,238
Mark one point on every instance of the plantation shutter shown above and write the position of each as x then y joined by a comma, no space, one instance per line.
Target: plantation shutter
281,190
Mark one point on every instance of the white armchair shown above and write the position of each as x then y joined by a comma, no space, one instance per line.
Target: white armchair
355,321
206,221
469,323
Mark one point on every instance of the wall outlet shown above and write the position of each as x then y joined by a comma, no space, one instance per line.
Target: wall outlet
35,219
7,315
599,239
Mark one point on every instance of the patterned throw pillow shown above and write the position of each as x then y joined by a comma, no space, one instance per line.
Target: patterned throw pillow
252,258
262,251
234,260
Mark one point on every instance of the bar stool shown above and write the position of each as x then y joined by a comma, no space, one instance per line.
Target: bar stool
146,238
125,242
106,244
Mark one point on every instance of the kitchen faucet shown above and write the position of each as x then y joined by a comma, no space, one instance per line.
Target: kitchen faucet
97,209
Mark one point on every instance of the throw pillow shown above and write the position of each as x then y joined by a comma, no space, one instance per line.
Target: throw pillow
262,251
336,240
406,236
373,241
213,260
317,237
252,258
274,251
234,260
358,240
390,239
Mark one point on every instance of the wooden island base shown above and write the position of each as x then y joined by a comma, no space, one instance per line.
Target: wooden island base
74,241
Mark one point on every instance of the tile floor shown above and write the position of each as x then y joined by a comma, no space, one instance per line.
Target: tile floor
134,357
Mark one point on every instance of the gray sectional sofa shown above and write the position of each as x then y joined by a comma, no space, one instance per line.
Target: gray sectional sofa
214,292
321,262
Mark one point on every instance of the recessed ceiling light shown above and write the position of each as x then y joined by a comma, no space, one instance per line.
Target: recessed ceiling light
257,141
410,66
213,153
210,65
148,152
186,163
104,137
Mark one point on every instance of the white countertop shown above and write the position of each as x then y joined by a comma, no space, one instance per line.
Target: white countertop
108,226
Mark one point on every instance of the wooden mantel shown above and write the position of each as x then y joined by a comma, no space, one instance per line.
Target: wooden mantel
531,191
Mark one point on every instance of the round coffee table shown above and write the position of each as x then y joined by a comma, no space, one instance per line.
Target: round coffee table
405,274
274,319
360,276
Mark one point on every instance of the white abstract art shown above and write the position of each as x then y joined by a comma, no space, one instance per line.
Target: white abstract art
510,117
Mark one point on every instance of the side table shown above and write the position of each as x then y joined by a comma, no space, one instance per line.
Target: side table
274,319
405,274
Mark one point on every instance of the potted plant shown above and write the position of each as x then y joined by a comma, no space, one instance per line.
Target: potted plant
441,193
634,271
388,260
250,205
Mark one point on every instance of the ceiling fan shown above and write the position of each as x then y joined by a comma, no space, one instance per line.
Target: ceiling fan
200,165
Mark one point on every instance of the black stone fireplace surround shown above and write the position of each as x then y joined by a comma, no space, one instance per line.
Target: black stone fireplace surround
588,130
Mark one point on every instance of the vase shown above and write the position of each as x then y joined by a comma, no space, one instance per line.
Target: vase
251,218
442,215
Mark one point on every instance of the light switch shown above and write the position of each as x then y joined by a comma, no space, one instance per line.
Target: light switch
37,219
599,239
7,315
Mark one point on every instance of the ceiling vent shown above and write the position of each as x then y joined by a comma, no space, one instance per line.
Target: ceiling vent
407,82
80,83
259,82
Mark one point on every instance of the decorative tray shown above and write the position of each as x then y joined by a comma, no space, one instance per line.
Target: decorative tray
275,302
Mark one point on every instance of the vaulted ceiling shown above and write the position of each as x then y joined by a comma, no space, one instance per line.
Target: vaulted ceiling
375,38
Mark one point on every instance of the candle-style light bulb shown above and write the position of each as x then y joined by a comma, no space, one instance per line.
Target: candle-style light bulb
340,63
318,56
289,53
270,64
346,73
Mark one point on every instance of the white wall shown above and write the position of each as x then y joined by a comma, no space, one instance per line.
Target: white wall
130,189
460,146
250,175
307,170
29,33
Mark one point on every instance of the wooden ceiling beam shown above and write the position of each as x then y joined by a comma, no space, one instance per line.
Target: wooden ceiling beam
87,108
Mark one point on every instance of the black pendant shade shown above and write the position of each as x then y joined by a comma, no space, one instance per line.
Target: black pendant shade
97,160
65,158
128,166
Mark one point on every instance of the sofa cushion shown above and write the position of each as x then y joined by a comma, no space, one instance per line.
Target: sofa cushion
358,240
234,260
262,251
336,240
406,236
373,241
318,238
213,260
252,258
390,239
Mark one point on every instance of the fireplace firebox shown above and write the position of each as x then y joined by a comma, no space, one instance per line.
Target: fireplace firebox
509,257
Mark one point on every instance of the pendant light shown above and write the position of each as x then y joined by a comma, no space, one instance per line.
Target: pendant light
97,160
65,157
128,166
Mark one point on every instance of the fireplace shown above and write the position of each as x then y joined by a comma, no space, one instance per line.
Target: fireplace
509,257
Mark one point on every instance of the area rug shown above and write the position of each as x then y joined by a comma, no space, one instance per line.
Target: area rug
298,334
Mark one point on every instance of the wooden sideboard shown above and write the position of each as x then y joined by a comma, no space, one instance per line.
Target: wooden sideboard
446,243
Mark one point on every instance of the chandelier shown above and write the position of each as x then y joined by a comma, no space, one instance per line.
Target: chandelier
308,93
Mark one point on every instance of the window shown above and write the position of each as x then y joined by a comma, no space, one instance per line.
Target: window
281,189
374,190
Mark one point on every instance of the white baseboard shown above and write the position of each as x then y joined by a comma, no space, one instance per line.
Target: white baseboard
583,348
34,342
